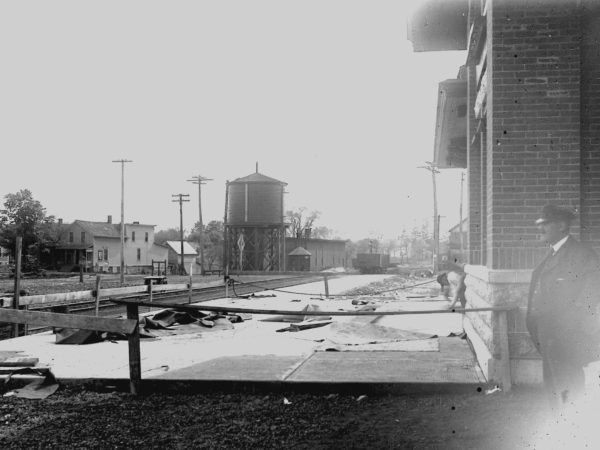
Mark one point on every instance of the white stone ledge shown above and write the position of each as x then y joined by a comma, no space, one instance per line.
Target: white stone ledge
497,276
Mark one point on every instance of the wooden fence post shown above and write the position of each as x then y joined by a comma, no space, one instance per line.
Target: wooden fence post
135,367
505,375
326,286
97,294
17,293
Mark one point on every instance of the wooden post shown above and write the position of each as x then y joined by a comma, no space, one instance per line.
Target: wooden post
26,326
153,269
135,366
325,279
505,377
18,247
97,294
190,285
150,291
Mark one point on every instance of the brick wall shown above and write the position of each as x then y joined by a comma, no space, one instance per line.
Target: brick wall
473,175
533,133
590,125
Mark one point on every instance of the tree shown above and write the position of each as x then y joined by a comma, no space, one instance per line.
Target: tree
213,243
212,239
26,217
171,234
300,221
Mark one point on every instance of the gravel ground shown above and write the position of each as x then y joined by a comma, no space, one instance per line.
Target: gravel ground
74,418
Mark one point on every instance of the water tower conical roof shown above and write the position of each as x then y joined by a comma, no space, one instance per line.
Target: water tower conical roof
257,178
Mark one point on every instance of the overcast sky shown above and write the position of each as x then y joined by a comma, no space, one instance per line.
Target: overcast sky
326,96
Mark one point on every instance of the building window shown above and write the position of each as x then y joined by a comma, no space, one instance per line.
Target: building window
146,237
100,255
105,254
70,236
139,254
82,237
133,236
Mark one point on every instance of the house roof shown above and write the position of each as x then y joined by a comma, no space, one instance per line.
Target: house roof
456,228
100,229
299,251
257,178
176,247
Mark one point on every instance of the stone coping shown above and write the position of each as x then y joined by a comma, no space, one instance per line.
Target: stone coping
498,276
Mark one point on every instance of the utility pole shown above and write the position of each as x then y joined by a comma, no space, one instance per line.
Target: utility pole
199,180
432,167
460,226
122,270
181,198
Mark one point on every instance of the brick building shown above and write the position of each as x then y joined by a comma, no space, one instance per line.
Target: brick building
523,116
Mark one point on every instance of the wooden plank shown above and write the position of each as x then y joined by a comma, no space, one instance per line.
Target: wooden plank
68,321
52,298
19,361
135,366
169,287
141,289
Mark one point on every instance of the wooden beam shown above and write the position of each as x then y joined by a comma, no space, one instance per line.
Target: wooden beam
68,321
135,366
225,309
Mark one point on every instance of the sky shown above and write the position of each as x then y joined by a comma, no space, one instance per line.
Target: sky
325,95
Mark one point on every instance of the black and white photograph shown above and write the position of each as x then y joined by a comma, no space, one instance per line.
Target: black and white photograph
269,224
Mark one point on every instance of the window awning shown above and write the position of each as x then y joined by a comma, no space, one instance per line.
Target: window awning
450,148
438,25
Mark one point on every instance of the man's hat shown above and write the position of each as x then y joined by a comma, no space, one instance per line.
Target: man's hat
552,213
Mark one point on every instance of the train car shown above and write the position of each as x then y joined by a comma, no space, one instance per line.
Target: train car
372,262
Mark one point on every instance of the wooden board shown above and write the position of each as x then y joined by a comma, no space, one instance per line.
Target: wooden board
68,321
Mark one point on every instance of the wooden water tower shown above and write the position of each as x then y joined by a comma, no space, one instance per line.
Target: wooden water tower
254,224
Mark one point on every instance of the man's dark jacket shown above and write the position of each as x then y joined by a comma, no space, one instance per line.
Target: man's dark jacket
561,311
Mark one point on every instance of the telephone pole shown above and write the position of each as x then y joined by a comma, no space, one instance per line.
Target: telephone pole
181,198
199,180
460,226
432,167
122,162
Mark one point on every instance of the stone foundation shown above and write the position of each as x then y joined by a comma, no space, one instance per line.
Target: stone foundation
491,287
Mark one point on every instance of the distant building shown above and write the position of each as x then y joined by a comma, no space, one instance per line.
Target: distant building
174,256
97,246
324,253
454,243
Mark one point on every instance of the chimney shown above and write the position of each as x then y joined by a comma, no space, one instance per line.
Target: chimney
109,220
60,221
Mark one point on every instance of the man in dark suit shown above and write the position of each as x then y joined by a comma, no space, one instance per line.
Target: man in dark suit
561,312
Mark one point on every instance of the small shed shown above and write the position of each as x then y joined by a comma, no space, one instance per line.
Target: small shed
299,260
189,255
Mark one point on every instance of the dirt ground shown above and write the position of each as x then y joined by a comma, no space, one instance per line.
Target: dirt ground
74,418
